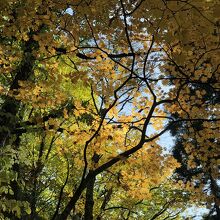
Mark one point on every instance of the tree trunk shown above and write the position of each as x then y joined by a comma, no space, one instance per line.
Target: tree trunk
89,200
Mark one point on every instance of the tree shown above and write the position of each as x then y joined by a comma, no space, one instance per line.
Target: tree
196,145
88,88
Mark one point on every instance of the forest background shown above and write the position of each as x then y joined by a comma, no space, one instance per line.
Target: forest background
89,89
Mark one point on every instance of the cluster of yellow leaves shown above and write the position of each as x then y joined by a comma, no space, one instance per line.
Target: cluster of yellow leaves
42,95
10,56
146,169
206,150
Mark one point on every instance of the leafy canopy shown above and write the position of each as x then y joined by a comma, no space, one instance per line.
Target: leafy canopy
88,88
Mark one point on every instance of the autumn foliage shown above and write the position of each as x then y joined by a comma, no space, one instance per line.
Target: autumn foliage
89,91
